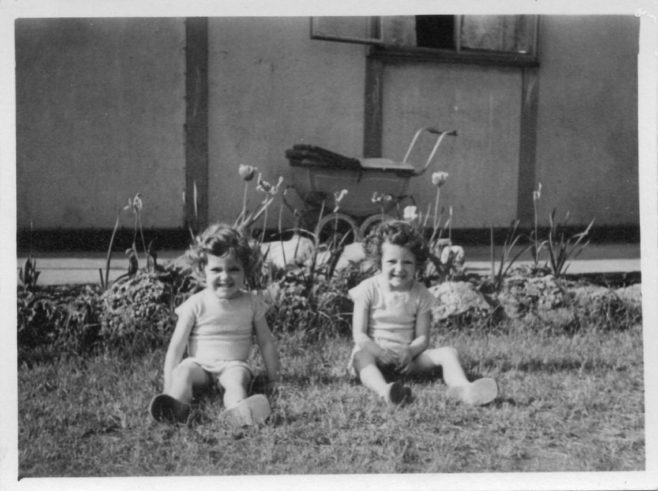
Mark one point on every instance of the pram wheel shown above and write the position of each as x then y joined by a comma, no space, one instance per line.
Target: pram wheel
371,223
337,230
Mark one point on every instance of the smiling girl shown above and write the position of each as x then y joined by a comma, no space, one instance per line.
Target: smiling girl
217,326
391,322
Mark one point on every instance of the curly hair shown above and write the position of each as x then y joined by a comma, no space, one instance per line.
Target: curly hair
400,233
220,240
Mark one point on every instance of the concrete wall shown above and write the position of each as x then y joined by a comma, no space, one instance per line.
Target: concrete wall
483,104
101,109
100,113
271,86
587,142
280,88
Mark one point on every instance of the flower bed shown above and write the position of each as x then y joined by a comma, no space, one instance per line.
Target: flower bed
135,314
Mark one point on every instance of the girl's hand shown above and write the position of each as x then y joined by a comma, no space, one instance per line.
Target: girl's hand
388,357
404,359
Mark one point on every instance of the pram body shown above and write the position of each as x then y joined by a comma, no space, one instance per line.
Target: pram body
374,185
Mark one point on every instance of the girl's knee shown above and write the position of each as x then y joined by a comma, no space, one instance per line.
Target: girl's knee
444,352
362,359
188,373
182,372
450,351
233,378
185,378
442,355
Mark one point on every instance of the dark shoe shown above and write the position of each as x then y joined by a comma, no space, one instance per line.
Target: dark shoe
166,409
397,393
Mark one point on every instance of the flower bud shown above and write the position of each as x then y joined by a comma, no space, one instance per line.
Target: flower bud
439,178
246,172
409,214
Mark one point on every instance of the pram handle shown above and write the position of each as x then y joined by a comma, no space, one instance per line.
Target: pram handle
438,132
442,135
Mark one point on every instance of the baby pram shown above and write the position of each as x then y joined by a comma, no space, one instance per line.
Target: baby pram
374,185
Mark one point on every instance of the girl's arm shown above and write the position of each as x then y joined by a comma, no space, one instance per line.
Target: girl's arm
360,334
420,341
177,347
268,350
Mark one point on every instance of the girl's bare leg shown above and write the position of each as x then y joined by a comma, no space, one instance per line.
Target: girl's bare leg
372,378
446,358
173,406
186,377
481,391
235,381
241,410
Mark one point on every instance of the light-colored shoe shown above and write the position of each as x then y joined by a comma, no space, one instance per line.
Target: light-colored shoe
397,393
478,393
166,409
250,411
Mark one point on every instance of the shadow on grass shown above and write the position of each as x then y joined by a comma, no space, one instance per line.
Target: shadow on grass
552,366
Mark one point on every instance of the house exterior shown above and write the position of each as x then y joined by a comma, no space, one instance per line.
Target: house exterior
169,107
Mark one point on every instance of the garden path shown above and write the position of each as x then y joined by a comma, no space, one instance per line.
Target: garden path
83,267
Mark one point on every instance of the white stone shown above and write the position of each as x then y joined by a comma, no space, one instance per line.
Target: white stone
295,251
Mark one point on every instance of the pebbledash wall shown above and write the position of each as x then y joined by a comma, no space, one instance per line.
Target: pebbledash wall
101,115
100,112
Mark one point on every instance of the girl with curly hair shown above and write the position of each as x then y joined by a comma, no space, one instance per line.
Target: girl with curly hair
391,322
216,327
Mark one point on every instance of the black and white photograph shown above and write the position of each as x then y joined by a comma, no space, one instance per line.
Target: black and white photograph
438,221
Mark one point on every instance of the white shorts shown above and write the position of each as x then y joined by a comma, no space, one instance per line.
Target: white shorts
216,368
384,343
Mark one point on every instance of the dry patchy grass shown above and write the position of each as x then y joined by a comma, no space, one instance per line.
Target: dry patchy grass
567,403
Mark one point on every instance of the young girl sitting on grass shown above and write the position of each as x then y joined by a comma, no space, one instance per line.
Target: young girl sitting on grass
216,326
391,321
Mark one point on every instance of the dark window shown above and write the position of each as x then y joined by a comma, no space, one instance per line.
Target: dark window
435,31
501,39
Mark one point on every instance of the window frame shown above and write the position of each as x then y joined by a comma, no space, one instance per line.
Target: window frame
373,28
389,52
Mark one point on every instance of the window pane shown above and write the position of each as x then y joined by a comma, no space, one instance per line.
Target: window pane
399,30
506,33
348,29
435,31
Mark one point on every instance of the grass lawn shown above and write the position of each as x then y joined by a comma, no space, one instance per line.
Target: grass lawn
567,403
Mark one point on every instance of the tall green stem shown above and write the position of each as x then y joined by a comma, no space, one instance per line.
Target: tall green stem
536,258
243,213
436,215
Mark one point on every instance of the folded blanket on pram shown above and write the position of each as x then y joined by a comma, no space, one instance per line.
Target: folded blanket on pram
311,155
